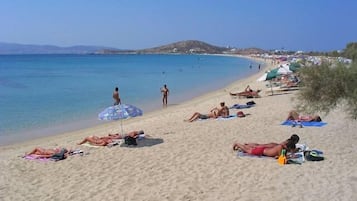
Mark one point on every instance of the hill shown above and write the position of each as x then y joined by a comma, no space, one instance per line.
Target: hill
186,47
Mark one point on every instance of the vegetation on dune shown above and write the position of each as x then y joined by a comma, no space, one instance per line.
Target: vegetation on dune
327,85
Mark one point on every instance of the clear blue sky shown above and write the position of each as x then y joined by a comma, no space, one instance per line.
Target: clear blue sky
318,25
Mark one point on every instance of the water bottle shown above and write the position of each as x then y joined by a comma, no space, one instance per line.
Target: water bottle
282,158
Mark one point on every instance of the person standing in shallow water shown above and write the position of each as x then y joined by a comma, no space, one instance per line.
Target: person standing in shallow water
116,97
165,94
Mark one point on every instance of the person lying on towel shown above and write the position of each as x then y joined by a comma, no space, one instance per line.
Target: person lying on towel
105,140
39,152
295,116
258,149
248,92
266,151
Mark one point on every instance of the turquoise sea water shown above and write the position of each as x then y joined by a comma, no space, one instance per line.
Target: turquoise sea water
42,95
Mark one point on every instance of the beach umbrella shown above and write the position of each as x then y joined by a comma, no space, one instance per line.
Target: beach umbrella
268,76
294,66
272,74
120,112
284,70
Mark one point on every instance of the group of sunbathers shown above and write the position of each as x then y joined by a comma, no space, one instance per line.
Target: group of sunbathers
92,140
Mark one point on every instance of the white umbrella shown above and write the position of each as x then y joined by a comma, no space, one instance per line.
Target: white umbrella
284,69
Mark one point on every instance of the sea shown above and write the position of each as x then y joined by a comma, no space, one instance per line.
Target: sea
43,95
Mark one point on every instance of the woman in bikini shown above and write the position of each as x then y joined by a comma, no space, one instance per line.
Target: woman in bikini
266,151
104,141
293,138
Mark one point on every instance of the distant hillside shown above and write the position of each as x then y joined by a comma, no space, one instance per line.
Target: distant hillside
14,48
182,47
186,47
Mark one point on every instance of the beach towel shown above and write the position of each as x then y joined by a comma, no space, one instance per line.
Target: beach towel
33,157
90,145
238,106
244,154
304,123
233,116
76,152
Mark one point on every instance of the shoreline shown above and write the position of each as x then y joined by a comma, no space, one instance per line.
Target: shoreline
82,124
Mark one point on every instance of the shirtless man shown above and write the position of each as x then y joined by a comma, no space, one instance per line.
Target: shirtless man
224,111
165,94
116,97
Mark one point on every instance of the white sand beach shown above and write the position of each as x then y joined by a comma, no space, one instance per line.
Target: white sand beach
191,161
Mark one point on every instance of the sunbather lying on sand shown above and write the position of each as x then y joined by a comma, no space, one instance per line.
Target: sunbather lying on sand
105,140
266,151
294,115
293,139
47,153
248,93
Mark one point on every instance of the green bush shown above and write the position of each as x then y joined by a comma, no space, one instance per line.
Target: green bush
325,86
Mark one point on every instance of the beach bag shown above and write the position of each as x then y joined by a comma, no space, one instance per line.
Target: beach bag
314,155
296,158
59,156
128,140
251,103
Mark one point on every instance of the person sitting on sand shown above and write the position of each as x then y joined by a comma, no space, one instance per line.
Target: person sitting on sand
213,114
105,140
294,115
47,153
293,139
223,111
267,151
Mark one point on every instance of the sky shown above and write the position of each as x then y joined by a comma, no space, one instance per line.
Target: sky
307,25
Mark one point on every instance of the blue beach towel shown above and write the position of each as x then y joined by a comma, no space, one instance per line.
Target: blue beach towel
238,106
304,123
233,116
